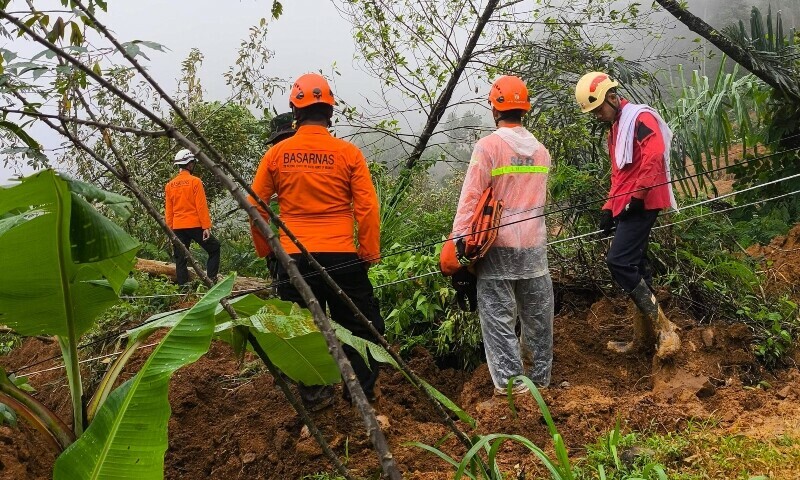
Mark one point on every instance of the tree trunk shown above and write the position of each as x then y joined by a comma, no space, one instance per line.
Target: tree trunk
735,52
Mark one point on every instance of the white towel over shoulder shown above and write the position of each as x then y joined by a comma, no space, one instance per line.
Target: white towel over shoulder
623,151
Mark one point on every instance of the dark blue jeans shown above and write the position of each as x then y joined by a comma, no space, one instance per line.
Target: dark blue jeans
627,257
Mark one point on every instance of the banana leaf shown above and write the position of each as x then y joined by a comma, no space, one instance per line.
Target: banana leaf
53,259
128,437
63,264
284,331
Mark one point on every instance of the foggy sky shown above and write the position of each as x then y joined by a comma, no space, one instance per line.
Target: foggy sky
309,36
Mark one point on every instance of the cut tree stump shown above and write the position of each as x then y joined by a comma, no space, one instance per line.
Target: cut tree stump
154,268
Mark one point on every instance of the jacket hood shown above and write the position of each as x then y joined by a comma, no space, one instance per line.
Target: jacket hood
519,139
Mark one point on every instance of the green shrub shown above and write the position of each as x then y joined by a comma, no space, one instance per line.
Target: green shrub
776,327
160,294
422,312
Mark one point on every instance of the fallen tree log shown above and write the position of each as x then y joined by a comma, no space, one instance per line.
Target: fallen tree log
155,268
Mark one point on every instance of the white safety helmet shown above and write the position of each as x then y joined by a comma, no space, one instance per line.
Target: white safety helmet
183,157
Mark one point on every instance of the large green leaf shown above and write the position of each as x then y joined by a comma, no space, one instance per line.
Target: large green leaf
292,342
128,437
119,204
50,261
284,331
61,268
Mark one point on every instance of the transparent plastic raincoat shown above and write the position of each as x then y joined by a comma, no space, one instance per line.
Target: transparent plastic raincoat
513,278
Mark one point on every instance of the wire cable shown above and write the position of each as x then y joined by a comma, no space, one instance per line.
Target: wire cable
544,214
99,357
756,202
426,274
419,247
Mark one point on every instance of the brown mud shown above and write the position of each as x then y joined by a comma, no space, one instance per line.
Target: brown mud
781,262
230,425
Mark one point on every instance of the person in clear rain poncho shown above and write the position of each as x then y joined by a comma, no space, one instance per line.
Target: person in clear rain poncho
513,280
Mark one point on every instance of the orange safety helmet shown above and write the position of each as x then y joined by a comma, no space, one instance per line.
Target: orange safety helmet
509,93
309,89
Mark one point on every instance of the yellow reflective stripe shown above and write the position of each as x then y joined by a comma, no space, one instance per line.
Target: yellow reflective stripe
519,169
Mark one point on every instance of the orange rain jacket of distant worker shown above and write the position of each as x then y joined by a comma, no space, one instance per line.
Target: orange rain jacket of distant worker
185,204
322,183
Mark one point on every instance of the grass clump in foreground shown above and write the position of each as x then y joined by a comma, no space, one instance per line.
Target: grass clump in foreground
701,451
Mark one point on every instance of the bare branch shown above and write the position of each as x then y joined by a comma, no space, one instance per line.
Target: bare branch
81,121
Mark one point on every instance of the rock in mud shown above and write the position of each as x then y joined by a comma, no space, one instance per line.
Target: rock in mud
784,392
383,421
706,390
629,455
708,337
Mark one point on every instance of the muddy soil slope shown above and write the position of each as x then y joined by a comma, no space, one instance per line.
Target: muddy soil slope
232,425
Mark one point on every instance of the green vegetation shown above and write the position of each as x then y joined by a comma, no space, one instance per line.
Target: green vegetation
74,243
699,451
83,262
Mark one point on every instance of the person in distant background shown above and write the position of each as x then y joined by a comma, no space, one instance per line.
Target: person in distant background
282,127
186,212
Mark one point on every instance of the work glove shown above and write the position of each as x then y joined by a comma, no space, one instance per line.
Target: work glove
607,222
634,206
466,286
461,252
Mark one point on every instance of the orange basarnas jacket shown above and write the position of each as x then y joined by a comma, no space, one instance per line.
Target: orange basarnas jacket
185,202
323,186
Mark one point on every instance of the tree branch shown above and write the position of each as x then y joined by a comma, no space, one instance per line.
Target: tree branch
444,99
320,317
137,191
735,52
81,121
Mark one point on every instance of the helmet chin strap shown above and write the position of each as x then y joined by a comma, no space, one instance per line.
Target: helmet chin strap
501,116
615,107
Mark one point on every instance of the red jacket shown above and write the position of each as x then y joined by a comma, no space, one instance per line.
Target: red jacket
185,202
645,177
323,185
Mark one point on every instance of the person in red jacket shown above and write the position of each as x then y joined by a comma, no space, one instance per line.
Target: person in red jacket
324,190
186,212
638,145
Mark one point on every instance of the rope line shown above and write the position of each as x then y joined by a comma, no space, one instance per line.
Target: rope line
415,277
419,247
544,214
554,242
99,357
610,237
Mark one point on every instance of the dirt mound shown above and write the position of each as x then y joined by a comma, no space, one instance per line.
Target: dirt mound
781,261
232,425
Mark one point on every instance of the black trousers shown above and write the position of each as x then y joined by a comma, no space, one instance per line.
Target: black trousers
354,281
211,246
627,257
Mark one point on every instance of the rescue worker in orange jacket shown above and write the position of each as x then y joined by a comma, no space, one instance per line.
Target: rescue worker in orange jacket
638,145
513,279
324,189
186,212
282,127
